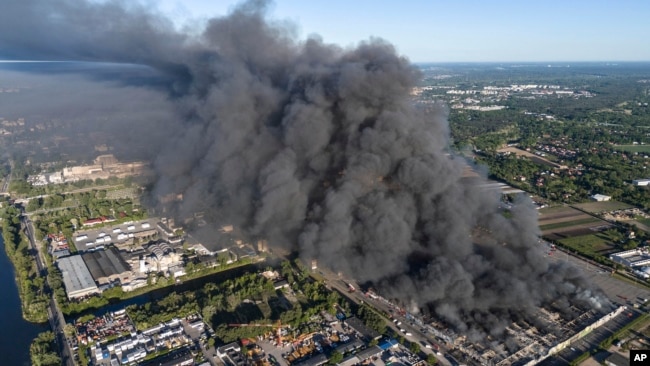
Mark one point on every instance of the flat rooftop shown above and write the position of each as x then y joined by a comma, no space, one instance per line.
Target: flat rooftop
105,263
76,277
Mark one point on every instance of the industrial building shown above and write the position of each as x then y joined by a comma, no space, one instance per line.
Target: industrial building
529,345
637,260
76,277
209,242
158,257
362,329
243,251
107,266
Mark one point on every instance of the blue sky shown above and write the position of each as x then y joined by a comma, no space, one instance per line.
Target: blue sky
464,30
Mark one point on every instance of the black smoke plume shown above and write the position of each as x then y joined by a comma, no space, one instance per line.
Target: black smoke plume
318,149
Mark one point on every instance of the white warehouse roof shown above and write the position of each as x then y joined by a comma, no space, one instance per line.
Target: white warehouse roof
76,277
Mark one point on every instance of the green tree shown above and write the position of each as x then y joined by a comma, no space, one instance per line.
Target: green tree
335,358
42,350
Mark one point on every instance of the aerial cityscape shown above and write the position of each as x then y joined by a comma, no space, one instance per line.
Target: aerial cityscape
223,190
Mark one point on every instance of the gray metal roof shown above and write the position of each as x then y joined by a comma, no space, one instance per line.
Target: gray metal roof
105,263
76,276
369,352
358,325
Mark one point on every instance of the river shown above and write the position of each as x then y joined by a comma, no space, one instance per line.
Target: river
16,334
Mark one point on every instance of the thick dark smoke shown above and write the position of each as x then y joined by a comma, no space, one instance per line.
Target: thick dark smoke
318,149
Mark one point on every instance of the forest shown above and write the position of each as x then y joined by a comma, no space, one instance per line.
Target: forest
31,285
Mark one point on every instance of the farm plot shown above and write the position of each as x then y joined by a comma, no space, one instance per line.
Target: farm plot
633,148
596,207
563,222
591,245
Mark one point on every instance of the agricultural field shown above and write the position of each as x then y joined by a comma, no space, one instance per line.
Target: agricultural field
591,245
535,158
597,207
633,148
562,222
642,224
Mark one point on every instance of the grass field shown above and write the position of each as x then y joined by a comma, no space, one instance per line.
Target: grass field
633,148
595,207
591,245
561,225
555,210
645,222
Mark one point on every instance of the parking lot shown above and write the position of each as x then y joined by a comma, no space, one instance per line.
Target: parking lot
96,238
616,290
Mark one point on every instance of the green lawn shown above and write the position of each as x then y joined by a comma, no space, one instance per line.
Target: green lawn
595,207
590,245
555,210
642,221
560,225
634,148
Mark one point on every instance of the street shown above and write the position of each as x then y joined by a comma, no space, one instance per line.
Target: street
55,316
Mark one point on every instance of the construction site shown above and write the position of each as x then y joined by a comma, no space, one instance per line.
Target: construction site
296,348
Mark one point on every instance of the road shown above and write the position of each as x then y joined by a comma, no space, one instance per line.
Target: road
80,190
55,316
5,184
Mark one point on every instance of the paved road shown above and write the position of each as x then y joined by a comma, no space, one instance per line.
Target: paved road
5,184
55,316
80,190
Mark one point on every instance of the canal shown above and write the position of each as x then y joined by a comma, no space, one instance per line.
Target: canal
191,285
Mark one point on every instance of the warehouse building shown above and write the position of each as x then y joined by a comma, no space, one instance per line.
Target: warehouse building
76,277
358,326
107,266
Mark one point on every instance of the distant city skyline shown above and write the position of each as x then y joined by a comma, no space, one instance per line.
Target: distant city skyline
459,31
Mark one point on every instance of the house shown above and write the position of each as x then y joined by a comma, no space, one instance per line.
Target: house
600,197
641,182
280,284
